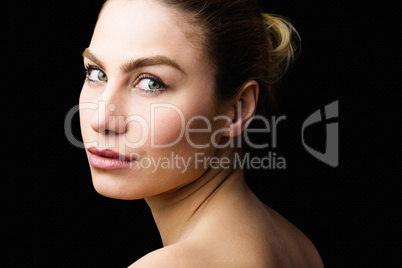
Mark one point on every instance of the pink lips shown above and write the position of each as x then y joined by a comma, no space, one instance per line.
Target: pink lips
108,159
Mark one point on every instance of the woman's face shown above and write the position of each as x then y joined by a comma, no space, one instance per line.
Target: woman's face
146,109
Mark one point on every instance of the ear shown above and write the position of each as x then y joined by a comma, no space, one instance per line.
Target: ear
244,109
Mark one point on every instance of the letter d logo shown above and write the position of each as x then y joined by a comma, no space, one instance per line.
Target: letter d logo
331,155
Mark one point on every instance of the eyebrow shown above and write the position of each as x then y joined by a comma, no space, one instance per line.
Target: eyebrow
134,64
87,54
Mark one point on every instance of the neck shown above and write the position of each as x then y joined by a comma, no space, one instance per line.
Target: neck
176,212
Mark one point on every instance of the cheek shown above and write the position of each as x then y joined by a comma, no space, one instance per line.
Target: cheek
167,126
173,126
188,123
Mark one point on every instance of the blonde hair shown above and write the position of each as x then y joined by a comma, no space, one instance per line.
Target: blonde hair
281,44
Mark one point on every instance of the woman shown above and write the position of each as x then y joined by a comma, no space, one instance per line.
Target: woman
170,87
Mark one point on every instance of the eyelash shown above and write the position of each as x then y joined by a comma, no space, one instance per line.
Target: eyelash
88,69
156,79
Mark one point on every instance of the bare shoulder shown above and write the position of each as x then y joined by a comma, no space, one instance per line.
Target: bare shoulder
244,244
200,254
242,233
247,233
183,254
294,246
233,252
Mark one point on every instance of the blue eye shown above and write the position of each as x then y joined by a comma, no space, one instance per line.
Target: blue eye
150,84
94,74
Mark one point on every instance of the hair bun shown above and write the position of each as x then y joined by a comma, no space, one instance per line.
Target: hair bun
283,41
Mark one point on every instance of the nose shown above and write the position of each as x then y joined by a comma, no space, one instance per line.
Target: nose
109,116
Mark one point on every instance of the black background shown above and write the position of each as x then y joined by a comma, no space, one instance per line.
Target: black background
349,53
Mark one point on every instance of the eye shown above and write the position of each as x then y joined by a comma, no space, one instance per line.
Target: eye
96,75
150,84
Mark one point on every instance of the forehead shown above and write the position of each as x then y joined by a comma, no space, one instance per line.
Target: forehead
141,28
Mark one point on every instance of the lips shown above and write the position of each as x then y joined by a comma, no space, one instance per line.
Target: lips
108,159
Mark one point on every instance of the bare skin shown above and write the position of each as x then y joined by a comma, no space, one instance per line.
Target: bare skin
221,223
206,217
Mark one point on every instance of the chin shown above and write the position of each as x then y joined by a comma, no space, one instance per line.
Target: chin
118,188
